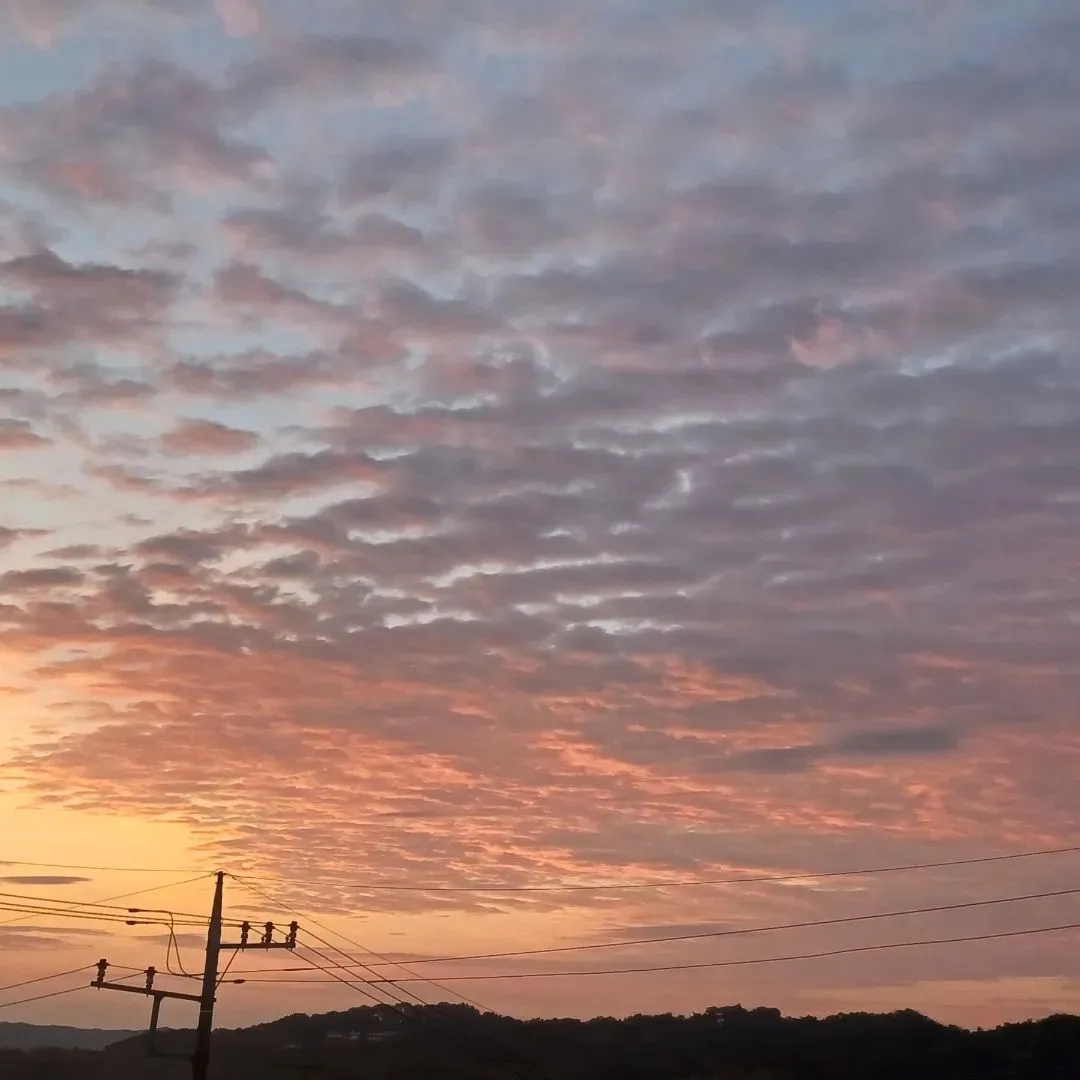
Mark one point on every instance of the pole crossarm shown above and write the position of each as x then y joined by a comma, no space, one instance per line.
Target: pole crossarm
149,990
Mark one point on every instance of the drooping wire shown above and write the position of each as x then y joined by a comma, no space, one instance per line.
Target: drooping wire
760,960
105,869
370,952
742,931
108,902
57,993
29,912
45,978
734,932
41,997
173,947
408,1011
385,987
228,968
569,886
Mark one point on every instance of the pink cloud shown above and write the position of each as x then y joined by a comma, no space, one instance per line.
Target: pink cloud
208,437
240,18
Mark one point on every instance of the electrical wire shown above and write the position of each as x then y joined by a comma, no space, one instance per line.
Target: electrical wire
30,912
568,886
617,886
162,888
405,1009
108,901
41,997
741,931
107,904
736,932
760,960
173,946
221,977
353,963
329,967
55,993
390,963
103,869
399,1006
45,978
363,948
750,962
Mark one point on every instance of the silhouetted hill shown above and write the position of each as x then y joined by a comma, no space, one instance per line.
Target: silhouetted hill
33,1036
727,1043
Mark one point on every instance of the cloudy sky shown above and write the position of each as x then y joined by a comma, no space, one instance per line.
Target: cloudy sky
467,442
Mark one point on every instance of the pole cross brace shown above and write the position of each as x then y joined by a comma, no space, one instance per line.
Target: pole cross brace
149,990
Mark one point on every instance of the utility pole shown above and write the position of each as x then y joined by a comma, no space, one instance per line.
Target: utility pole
200,1062
200,1059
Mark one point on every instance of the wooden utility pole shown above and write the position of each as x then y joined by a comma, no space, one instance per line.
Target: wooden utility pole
200,1059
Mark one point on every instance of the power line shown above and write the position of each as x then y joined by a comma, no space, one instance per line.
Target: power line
396,1005
86,905
41,997
110,906
108,900
736,932
104,869
391,963
31,911
711,964
806,924
760,960
45,978
601,886
399,1006
565,886
73,913
55,993
356,945
396,1002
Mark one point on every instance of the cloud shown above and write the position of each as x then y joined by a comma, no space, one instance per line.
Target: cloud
47,23
347,64
240,18
244,286
127,139
8,536
67,305
207,437
262,373
33,939
44,578
286,474
20,435
574,442
874,744
43,879
404,169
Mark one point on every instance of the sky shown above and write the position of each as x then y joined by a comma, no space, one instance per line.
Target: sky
451,443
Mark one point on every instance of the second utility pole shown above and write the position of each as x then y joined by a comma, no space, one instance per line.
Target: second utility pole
200,1061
